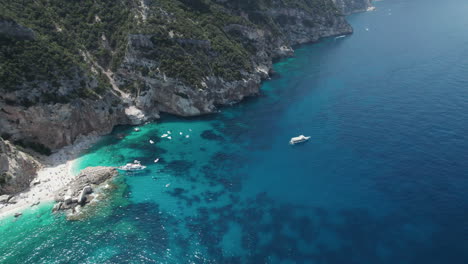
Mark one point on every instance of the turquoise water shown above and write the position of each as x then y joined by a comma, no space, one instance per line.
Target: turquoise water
383,179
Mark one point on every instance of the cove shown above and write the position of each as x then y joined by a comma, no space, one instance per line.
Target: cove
382,180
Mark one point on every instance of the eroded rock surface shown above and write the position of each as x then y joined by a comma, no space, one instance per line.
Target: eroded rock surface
17,169
83,189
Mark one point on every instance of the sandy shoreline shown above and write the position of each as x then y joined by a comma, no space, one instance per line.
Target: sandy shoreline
55,174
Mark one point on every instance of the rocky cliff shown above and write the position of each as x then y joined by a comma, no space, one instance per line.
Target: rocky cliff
352,6
17,169
69,68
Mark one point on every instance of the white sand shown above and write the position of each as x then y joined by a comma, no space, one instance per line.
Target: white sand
55,175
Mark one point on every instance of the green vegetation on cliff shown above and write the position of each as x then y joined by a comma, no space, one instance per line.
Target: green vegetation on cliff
189,37
63,34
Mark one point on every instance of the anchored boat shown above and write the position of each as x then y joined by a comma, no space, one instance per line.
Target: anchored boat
299,139
135,166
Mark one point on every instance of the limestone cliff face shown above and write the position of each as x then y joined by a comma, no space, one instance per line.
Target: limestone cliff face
161,93
289,26
352,6
58,125
145,82
17,169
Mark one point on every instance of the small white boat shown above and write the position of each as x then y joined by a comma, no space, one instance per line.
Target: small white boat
164,135
342,36
169,137
180,133
135,166
190,130
299,139
187,136
151,141
169,132
167,185
156,160
136,129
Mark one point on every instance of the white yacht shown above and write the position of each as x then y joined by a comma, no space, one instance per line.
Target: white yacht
135,166
299,139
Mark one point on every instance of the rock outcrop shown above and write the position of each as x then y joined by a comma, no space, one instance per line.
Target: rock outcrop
352,6
83,189
59,125
17,169
4,198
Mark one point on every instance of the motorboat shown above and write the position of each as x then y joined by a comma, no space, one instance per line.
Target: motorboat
299,139
136,129
135,166
151,141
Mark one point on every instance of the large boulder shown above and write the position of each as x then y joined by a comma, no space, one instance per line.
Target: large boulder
4,198
87,190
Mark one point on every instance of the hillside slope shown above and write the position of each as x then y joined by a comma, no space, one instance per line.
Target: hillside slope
71,68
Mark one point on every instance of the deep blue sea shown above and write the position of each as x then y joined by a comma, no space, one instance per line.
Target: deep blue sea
384,178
